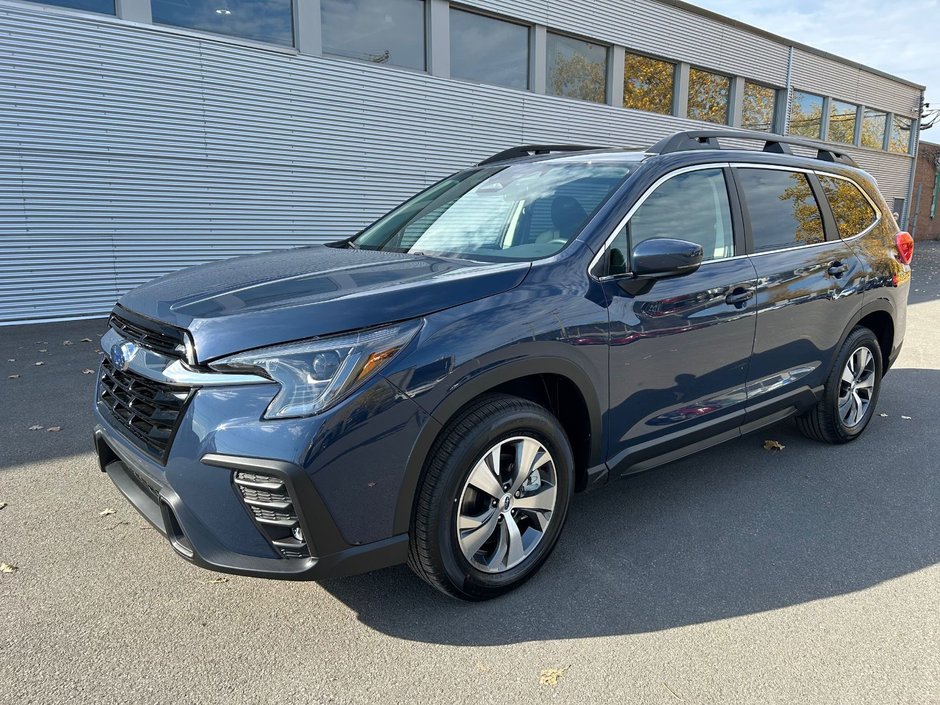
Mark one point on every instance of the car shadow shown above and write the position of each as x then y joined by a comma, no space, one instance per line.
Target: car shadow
733,531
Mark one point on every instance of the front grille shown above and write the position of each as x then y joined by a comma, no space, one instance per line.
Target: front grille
148,411
270,503
166,341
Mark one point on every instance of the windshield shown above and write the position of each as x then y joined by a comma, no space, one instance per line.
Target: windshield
517,212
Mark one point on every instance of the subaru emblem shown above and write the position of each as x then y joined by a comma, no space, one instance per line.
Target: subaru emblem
122,353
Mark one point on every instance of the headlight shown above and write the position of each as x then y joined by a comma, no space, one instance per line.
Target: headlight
315,373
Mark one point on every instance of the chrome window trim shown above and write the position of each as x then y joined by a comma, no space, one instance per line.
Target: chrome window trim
167,370
640,201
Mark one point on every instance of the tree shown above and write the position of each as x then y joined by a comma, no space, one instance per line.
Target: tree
576,76
648,84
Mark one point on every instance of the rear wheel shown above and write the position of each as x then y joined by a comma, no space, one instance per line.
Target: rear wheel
850,394
493,499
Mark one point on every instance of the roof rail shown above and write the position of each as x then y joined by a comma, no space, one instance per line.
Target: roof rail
778,144
529,150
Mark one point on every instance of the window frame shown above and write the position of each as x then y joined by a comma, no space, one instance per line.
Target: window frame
598,267
608,62
675,80
729,102
858,187
454,7
774,118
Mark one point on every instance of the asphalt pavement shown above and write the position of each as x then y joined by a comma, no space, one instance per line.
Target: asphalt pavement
740,575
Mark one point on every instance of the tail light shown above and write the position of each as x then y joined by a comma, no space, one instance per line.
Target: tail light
905,244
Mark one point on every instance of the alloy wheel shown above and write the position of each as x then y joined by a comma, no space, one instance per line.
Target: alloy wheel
506,504
856,387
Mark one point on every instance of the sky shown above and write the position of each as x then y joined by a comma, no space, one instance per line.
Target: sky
901,38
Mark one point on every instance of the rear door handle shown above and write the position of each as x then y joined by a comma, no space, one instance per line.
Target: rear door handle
739,297
837,269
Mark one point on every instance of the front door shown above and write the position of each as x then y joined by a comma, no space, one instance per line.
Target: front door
679,347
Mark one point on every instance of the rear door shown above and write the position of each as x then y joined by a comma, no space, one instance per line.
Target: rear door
809,284
679,347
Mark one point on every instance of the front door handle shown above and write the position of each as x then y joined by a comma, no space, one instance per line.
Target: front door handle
837,269
739,297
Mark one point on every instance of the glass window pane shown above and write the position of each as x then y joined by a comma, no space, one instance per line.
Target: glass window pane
380,31
782,209
852,211
691,207
842,122
873,129
806,115
648,84
269,21
708,96
488,50
577,69
105,7
900,135
760,104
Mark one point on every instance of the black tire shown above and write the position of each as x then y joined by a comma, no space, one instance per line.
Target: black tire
435,554
824,422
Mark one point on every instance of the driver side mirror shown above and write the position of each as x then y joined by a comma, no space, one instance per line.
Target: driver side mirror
661,257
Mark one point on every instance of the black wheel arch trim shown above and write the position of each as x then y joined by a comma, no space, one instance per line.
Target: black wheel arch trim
879,305
473,385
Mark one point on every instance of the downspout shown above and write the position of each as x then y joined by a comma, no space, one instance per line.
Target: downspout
786,113
910,179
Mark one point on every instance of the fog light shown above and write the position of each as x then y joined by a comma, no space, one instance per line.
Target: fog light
298,533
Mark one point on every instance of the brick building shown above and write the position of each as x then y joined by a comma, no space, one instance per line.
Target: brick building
925,206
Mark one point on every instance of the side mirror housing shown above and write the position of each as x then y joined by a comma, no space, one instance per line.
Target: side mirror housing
661,257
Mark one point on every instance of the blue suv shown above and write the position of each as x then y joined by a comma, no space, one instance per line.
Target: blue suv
435,388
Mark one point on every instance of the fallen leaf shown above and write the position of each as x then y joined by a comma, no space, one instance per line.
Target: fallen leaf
884,416
37,427
38,364
773,445
43,350
13,377
11,359
66,342
906,418
54,429
106,512
550,676
86,340
216,581
7,568
3,505
88,372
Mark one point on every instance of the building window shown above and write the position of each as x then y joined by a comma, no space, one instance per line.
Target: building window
648,84
381,31
105,7
271,21
760,104
900,140
873,129
782,209
577,69
806,112
842,122
708,96
488,50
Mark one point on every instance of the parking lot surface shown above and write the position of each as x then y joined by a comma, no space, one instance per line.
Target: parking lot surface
739,575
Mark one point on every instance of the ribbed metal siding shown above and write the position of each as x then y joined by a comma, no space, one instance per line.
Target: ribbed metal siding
127,151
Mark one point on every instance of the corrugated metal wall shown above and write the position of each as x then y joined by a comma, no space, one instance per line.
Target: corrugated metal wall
128,151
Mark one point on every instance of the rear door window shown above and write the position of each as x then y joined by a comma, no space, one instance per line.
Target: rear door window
852,211
782,208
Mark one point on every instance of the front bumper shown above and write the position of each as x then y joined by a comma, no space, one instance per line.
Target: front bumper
191,539
342,469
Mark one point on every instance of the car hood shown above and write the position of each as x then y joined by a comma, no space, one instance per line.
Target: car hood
277,297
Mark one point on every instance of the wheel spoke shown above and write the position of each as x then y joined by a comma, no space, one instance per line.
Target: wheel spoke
847,376
526,450
516,549
498,559
485,476
472,539
466,522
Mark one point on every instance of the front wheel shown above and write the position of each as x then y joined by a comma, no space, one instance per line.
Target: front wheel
493,499
850,394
